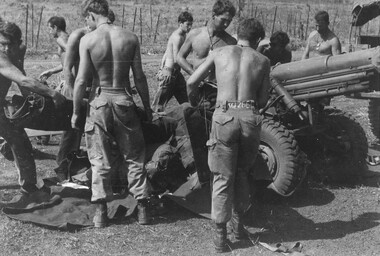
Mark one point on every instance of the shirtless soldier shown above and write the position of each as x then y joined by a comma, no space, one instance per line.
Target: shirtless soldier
70,140
203,40
322,41
242,75
107,54
171,81
10,39
57,28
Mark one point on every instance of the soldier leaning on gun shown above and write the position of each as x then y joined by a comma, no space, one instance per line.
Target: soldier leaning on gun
10,41
242,76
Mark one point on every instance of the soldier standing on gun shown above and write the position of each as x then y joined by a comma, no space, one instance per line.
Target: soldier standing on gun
107,54
242,76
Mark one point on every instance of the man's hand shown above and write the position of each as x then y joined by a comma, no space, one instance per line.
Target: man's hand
45,75
74,122
58,99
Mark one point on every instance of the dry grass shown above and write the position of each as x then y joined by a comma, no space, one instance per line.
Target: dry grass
169,9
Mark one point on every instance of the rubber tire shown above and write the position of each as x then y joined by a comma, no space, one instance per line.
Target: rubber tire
342,123
374,116
280,151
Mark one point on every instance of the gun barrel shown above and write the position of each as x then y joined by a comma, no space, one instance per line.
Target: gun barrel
287,98
338,90
326,81
326,64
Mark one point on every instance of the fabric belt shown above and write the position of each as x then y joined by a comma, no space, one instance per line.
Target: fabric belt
246,104
99,90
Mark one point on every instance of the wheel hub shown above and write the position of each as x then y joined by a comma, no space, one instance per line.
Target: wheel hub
269,158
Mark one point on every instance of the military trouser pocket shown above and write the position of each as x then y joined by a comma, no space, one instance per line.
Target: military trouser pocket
211,143
224,129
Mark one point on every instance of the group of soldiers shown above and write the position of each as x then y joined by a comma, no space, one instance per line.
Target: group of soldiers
98,59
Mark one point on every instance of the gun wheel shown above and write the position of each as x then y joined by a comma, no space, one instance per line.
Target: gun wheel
353,142
374,116
279,150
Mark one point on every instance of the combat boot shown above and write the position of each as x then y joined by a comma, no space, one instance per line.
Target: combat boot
238,229
220,238
142,212
100,219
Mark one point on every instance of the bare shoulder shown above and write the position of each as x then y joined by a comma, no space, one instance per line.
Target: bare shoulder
195,32
313,34
77,34
124,33
4,60
261,59
334,37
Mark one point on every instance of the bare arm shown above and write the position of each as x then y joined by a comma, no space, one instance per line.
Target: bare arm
163,61
307,50
140,81
336,47
183,53
62,43
176,43
9,71
263,93
72,53
199,74
84,72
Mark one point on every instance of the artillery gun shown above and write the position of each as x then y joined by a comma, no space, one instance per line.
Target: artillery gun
298,116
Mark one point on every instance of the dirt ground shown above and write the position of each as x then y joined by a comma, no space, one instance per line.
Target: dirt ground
327,219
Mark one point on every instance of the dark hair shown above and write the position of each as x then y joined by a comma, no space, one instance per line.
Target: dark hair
96,6
322,15
11,31
251,30
185,16
59,22
222,6
111,16
279,38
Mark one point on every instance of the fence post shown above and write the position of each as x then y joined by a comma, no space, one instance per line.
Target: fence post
140,27
151,16
134,20
39,25
26,25
155,33
122,19
32,7
295,25
307,21
274,19
256,11
336,14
